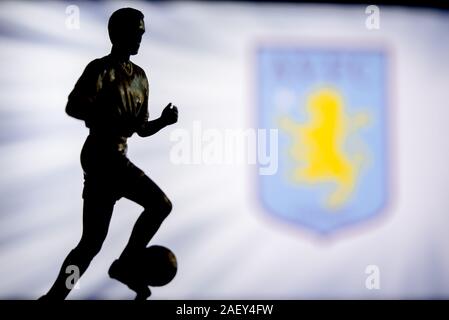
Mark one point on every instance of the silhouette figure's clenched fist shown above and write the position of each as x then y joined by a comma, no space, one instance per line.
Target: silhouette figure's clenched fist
170,114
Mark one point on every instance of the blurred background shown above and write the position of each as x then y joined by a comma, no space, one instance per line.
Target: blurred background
204,57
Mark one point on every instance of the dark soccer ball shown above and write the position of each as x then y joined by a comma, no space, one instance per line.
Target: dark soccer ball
160,266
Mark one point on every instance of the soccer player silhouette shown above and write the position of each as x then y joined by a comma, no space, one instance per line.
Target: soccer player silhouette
111,96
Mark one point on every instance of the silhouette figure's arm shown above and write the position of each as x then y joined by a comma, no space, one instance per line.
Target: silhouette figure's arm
82,98
151,127
148,128
77,108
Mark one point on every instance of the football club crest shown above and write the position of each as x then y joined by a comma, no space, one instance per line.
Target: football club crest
330,109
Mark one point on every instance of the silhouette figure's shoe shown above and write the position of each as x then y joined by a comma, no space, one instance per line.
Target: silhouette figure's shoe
127,274
143,294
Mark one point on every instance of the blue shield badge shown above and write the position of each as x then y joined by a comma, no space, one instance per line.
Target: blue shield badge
329,106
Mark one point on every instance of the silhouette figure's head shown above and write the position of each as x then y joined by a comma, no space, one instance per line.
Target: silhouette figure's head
126,27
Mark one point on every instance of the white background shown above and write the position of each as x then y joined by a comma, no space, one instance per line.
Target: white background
201,57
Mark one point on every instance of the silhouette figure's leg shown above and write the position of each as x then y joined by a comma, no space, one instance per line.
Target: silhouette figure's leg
156,208
97,214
